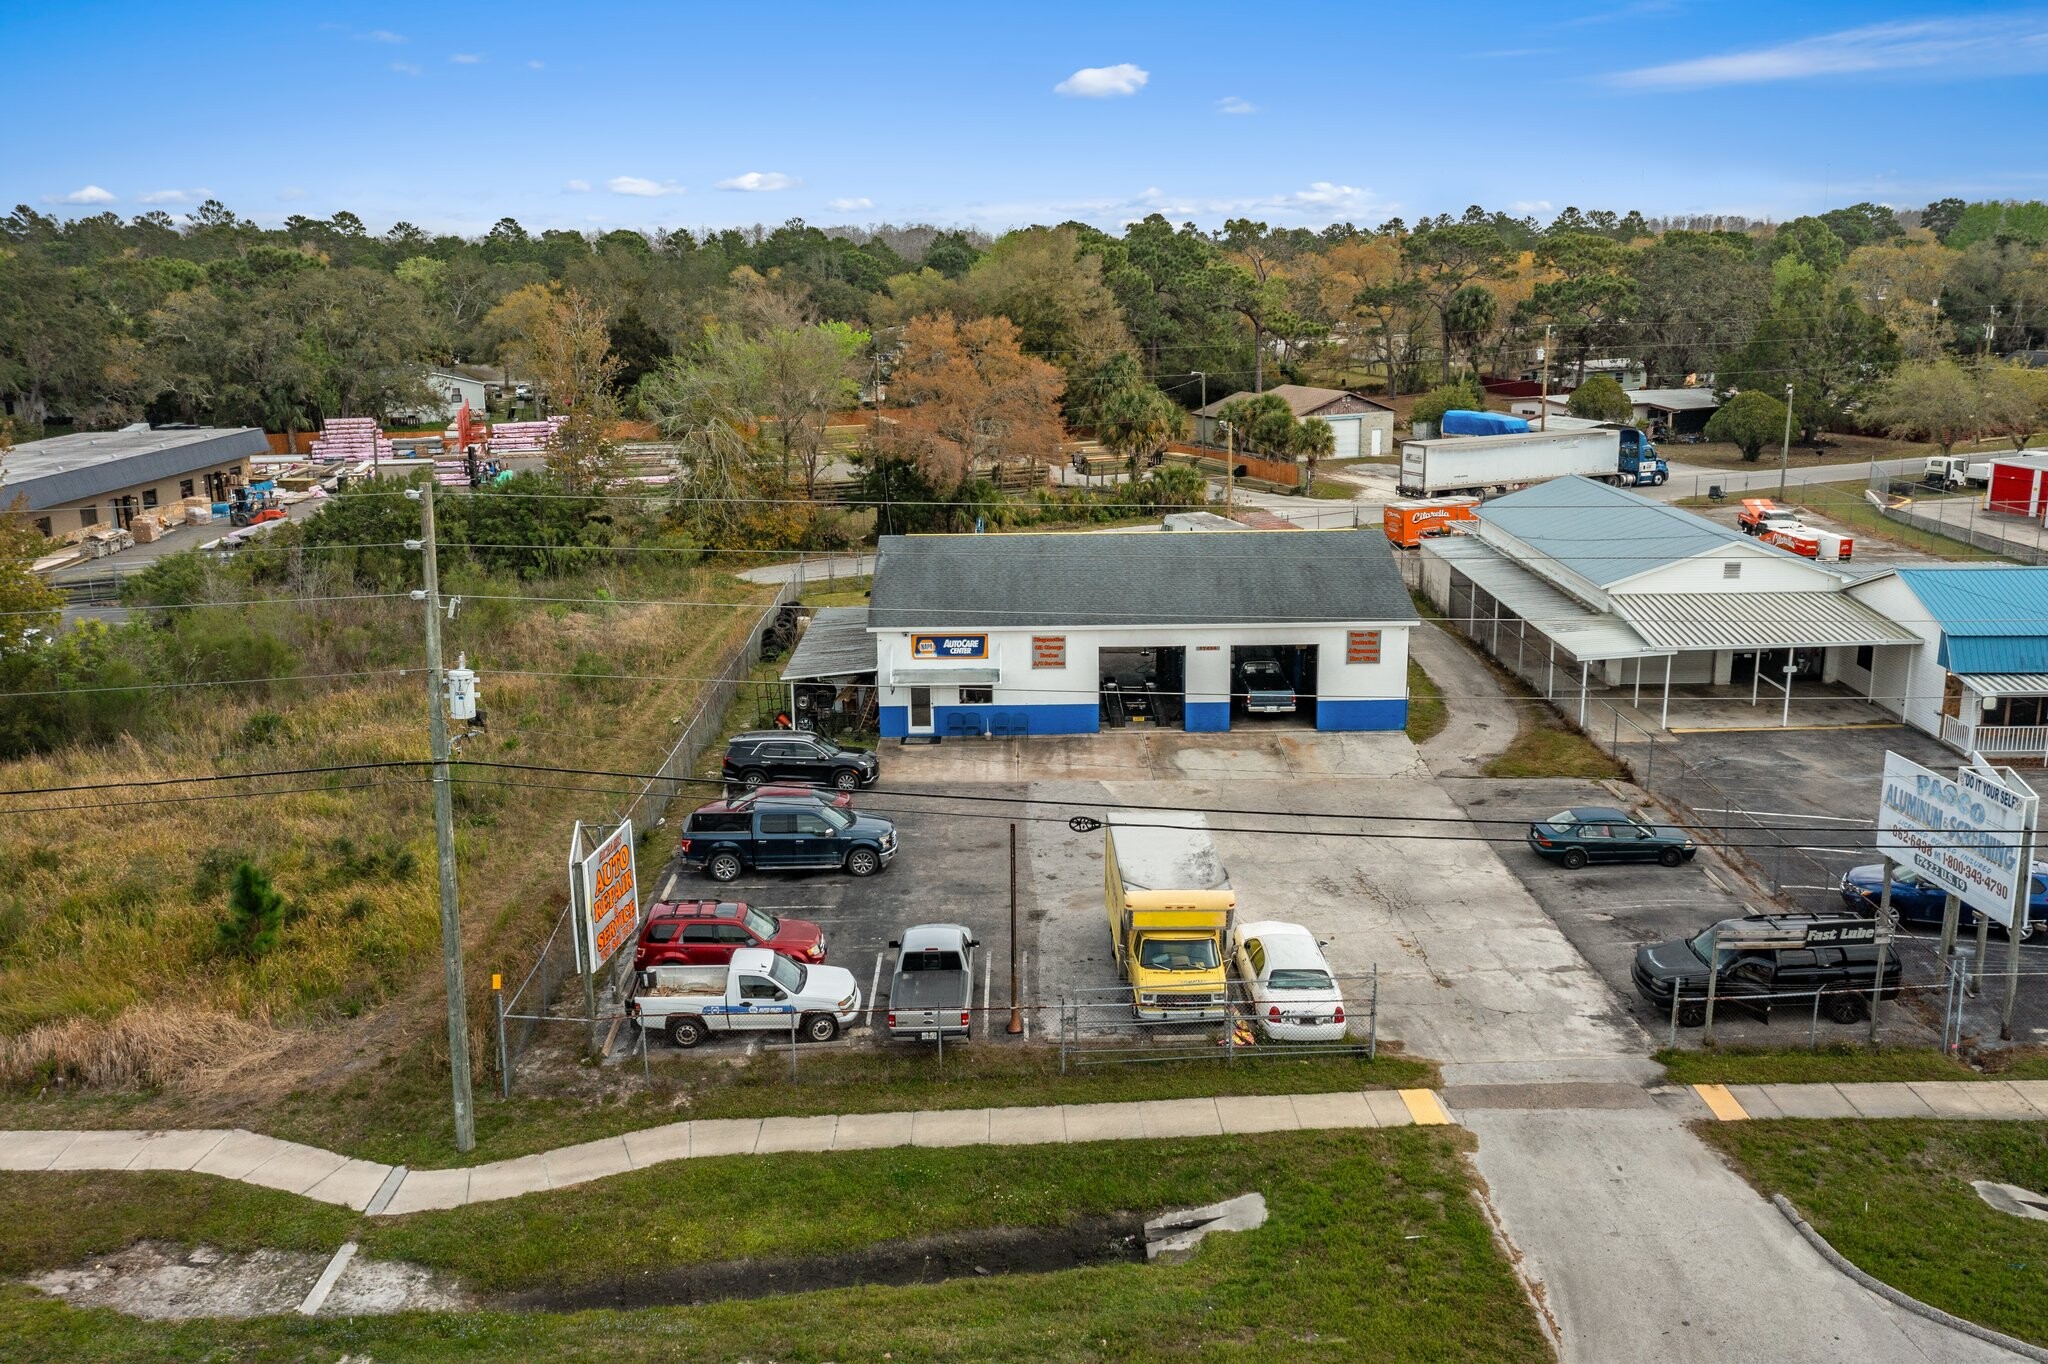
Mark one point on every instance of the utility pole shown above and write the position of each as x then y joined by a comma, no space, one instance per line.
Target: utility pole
1785,451
1205,385
1229,467
1989,327
444,832
1016,1006
1543,403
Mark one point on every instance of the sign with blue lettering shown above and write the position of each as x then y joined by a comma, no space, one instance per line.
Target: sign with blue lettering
933,647
1966,834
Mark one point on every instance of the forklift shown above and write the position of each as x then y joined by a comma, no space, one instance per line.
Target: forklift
253,509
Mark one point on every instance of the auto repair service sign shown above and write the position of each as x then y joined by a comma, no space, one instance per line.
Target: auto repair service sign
1966,833
611,897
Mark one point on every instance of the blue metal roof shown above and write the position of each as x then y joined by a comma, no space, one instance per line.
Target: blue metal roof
1605,534
1992,619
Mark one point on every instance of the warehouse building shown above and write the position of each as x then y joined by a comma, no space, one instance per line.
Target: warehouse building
1574,583
1070,634
1359,425
106,478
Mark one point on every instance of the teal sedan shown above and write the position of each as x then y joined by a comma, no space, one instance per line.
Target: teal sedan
1599,833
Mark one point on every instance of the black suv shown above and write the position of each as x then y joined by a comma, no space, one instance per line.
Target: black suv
1812,958
765,755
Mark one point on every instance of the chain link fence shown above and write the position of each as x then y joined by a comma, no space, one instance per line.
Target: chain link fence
538,998
1101,1027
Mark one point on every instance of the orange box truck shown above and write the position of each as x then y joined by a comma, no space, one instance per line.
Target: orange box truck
1408,524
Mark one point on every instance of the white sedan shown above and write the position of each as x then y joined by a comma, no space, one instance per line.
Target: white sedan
1292,991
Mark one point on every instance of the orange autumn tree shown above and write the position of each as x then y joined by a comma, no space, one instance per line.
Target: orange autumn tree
965,397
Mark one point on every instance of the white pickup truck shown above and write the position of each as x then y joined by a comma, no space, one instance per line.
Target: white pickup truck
760,992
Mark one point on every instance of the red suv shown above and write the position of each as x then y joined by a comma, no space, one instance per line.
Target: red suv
707,932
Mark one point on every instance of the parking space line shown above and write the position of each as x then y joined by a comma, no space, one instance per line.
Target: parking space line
1781,814
1721,1103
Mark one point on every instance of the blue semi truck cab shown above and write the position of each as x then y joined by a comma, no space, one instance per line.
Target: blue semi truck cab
1639,458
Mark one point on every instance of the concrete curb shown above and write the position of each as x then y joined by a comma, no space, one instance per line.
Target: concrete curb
1895,1297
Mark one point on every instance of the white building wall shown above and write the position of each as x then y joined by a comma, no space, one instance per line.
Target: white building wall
1907,682
1763,570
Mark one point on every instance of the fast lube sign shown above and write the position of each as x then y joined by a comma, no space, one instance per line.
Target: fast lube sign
1968,834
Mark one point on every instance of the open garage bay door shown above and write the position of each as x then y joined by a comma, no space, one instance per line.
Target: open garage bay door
1273,684
1144,686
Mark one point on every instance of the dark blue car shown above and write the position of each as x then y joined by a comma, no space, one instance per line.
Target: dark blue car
1919,902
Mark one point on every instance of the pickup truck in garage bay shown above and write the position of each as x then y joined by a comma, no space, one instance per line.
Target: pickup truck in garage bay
762,992
931,996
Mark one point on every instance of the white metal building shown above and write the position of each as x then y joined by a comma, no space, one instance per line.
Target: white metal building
1064,634
1359,425
1979,679
1609,585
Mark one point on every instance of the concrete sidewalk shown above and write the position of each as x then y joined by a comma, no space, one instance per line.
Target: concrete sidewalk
366,1186
1977,1100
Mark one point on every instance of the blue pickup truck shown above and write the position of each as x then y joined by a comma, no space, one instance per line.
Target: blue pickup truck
798,833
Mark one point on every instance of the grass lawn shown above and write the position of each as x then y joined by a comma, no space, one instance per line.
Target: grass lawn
1844,502
1427,714
1799,1066
398,1113
1374,1249
1332,490
1895,1198
1545,747
837,591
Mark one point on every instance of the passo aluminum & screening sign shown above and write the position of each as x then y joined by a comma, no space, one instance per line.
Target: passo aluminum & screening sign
1966,834
611,897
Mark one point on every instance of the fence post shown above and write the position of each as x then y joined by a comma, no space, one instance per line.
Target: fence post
646,1075
1372,1029
1713,985
792,1045
1813,1028
504,1068
1677,991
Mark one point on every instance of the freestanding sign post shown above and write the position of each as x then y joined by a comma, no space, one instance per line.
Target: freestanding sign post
604,895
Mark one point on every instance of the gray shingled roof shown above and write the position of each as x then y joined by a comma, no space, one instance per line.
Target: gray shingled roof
1135,578
88,463
1605,534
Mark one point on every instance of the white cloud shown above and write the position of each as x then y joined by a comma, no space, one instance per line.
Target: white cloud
536,66
1103,82
851,205
1529,207
406,68
173,196
90,194
465,59
1231,104
381,35
642,188
578,186
291,194
1994,45
754,182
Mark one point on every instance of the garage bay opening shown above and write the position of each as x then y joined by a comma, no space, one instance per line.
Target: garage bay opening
1273,684
1143,685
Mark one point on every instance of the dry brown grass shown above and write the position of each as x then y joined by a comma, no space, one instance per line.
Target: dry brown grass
109,975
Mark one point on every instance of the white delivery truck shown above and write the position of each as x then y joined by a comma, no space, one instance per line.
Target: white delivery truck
761,992
1470,464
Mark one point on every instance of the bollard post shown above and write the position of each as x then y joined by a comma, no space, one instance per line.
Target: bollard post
504,1069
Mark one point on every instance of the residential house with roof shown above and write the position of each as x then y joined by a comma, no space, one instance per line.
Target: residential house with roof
1979,680
1573,582
1361,426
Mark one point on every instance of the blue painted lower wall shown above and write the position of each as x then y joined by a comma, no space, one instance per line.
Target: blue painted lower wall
1208,717
966,721
1336,714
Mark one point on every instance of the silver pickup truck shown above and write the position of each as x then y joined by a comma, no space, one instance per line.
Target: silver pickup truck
931,996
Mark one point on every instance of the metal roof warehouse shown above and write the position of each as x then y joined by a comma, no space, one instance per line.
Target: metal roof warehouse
1612,586
127,471
1066,634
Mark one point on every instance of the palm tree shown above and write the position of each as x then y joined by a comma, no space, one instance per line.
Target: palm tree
1312,439
1137,423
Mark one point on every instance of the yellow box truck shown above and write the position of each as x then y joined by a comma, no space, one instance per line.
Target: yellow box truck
1170,904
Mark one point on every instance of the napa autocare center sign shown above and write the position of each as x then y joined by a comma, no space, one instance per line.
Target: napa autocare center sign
1967,834
609,896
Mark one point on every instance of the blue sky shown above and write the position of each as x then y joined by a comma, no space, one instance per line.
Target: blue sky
453,116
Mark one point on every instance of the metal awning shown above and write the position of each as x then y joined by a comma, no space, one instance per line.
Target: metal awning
1588,635
835,644
1757,620
2005,684
982,676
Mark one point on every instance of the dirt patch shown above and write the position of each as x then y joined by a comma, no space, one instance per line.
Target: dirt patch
161,1281
930,1259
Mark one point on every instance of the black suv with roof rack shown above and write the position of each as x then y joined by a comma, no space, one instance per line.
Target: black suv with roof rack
765,755
1780,960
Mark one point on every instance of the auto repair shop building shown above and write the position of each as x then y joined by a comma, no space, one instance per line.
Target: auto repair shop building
1069,634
